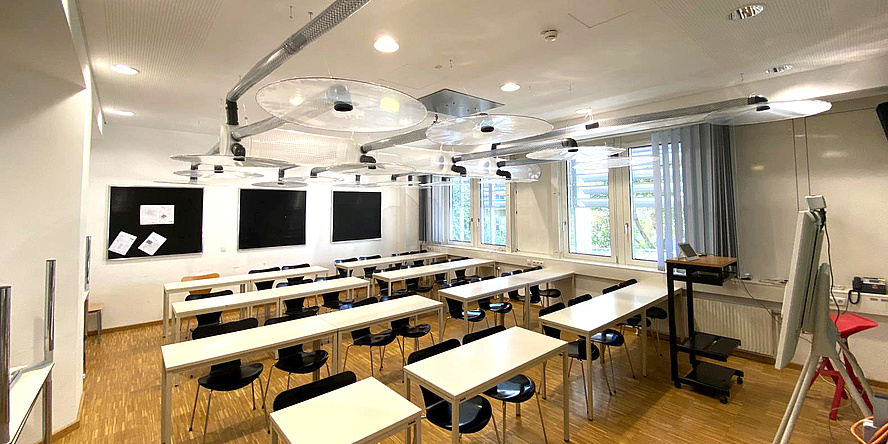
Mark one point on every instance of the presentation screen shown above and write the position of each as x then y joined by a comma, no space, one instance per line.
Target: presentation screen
271,218
357,215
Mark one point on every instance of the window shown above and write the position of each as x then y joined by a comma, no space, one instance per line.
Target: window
641,189
461,210
588,211
493,213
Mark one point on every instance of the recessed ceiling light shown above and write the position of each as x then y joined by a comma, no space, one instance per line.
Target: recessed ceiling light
120,68
745,12
118,112
778,69
510,87
386,44
584,111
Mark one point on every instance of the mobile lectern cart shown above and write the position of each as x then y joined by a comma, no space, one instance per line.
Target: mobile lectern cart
709,270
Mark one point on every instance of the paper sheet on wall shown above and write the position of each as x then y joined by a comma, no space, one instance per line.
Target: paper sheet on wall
157,214
122,243
152,243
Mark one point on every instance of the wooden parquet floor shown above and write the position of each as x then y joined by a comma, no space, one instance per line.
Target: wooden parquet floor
122,401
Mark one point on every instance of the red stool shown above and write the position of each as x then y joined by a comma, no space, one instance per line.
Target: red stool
848,324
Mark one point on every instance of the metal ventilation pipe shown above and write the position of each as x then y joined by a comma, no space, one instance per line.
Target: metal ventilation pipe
522,162
514,148
335,14
259,127
400,139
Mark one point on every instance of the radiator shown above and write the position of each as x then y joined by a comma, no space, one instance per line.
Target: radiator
752,325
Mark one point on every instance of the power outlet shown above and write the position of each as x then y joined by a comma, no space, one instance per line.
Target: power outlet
536,263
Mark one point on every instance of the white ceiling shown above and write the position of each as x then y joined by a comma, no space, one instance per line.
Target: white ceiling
610,54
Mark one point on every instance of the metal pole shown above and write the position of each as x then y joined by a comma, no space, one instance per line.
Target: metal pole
47,409
5,300
49,322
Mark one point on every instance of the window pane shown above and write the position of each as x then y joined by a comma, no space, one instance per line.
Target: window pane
588,212
493,213
461,210
641,188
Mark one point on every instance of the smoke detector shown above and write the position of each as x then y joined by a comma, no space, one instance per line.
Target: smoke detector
550,35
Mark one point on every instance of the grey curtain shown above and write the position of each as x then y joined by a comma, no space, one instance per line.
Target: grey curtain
693,191
434,204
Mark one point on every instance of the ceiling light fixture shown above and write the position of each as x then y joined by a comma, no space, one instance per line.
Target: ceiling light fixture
386,44
120,68
745,12
510,87
778,69
121,113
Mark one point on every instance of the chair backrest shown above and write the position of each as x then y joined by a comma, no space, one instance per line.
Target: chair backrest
610,289
428,397
518,271
506,273
361,332
293,348
224,370
627,283
535,268
472,337
578,299
297,279
455,308
264,285
423,251
552,331
305,392
199,277
208,318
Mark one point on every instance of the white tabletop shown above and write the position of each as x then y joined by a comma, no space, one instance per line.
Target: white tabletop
495,286
428,270
223,303
389,260
319,287
400,308
22,395
224,281
379,413
225,347
606,310
476,366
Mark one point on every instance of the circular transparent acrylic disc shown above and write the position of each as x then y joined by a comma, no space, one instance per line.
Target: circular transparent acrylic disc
248,162
767,112
208,174
288,182
576,154
614,162
486,129
371,169
340,105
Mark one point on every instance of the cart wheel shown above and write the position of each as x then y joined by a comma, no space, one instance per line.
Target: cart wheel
677,385
739,380
723,399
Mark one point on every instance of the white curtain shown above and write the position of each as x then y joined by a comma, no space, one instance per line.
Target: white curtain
693,191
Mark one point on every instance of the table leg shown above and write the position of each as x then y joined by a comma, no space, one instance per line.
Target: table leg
644,344
177,325
166,411
565,383
274,436
418,426
465,309
315,346
337,342
441,324
407,395
391,284
543,382
166,312
527,322
454,422
590,405
279,311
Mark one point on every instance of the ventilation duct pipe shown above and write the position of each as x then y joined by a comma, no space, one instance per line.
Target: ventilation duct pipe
257,128
513,148
400,139
522,162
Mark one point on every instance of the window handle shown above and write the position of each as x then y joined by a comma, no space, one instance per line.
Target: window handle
626,229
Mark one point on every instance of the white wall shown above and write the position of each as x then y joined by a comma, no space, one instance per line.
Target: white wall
131,288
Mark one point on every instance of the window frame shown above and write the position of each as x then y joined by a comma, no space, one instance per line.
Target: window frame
508,221
472,230
475,219
564,204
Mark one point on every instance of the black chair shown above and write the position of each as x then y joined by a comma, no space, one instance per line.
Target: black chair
627,283
516,390
314,389
383,285
294,307
545,294
342,272
575,350
461,276
500,308
368,271
208,318
651,313
296,280
578,299
365,338
612,338
264,285
331,300
513,295
227,376
456,312
294,359
474,413
402,329
610,289
413,285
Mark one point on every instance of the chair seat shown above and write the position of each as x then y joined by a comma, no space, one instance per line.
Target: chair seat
303,362
376,339
657,313
474,315
550,293
232,380
474,414
577,350
609,337
635,321
302,311
517,389
416,331
500,307
421,288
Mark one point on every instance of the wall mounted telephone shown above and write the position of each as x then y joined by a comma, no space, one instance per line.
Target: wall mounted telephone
865,285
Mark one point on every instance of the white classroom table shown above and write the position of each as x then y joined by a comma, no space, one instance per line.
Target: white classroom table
388,260
403,274
347,321
468,370
379,412
242,280
605,311
492,287
277,296
190,355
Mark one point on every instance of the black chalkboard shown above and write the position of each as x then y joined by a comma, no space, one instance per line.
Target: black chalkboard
271,218
183,236
357,215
